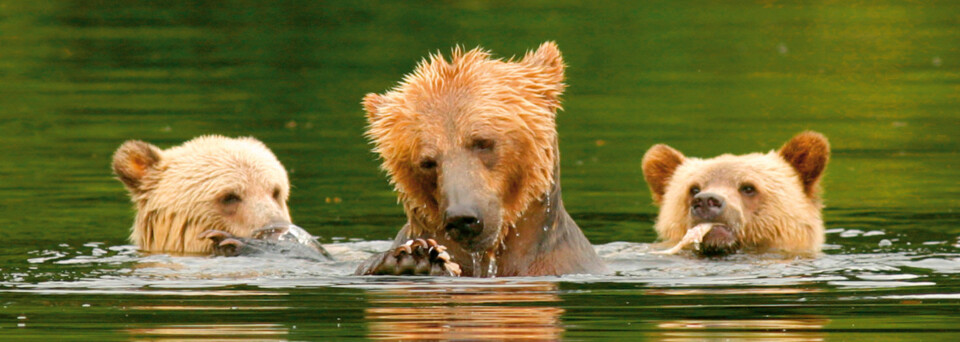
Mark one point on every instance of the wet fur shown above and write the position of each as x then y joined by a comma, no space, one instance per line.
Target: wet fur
444,104
177,191
785,215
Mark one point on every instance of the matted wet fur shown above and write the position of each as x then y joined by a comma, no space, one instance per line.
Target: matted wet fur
236,186
759,202
470,145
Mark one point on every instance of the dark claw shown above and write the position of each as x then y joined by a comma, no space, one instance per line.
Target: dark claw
231,242
402,250
228,247
224,244
416,257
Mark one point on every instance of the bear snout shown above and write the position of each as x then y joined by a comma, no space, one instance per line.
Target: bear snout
707,206
463,223
719,241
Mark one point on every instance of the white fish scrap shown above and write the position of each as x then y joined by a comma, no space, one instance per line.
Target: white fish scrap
694,236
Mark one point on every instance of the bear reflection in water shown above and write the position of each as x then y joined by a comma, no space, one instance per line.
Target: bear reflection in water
443,312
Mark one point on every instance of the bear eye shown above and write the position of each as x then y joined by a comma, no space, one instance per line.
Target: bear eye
482,145
230,198
428,164
748,190
694,190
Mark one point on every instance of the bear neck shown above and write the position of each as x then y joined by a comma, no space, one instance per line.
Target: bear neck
546,240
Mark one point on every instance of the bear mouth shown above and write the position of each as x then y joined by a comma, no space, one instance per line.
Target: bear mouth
486,240
720,240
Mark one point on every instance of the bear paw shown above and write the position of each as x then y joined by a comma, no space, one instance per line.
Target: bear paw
224,244
293,242
417,257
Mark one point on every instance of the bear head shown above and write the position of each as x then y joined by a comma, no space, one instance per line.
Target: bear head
469,143
759,201
210,182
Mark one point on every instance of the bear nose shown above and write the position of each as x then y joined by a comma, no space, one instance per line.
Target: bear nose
706,206
463,223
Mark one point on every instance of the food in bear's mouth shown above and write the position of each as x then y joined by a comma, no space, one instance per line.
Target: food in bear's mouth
694,236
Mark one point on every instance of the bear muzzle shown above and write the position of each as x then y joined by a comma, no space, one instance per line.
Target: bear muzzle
707,206
721,239
466,226
463,223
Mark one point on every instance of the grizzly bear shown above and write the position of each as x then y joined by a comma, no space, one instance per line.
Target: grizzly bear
758,202
471,147
232,187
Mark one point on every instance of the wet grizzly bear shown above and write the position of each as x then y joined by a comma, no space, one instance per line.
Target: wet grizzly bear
211,183
759,202
471,147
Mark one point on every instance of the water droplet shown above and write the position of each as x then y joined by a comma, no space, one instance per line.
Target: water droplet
885,243
492,267
475,262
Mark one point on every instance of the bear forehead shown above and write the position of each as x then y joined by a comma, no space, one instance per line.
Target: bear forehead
442,121
469,84
241,159
459,103
762,169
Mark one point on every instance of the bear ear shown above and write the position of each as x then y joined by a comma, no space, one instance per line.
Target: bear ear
808,153
133,161
659,164
370,103
549,68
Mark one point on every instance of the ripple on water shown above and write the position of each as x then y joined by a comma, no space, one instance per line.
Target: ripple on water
94,267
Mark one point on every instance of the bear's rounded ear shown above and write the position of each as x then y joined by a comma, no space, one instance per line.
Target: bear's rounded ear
808,154
370,103
548,72
133,161
659,164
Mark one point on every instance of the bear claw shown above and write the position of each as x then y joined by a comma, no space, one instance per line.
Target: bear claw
224,244
418,257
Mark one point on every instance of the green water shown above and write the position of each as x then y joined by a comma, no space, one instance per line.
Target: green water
881,79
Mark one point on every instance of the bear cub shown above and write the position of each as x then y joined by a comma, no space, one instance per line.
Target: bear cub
212,194
758,202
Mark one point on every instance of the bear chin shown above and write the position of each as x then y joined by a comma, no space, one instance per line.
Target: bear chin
720,240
